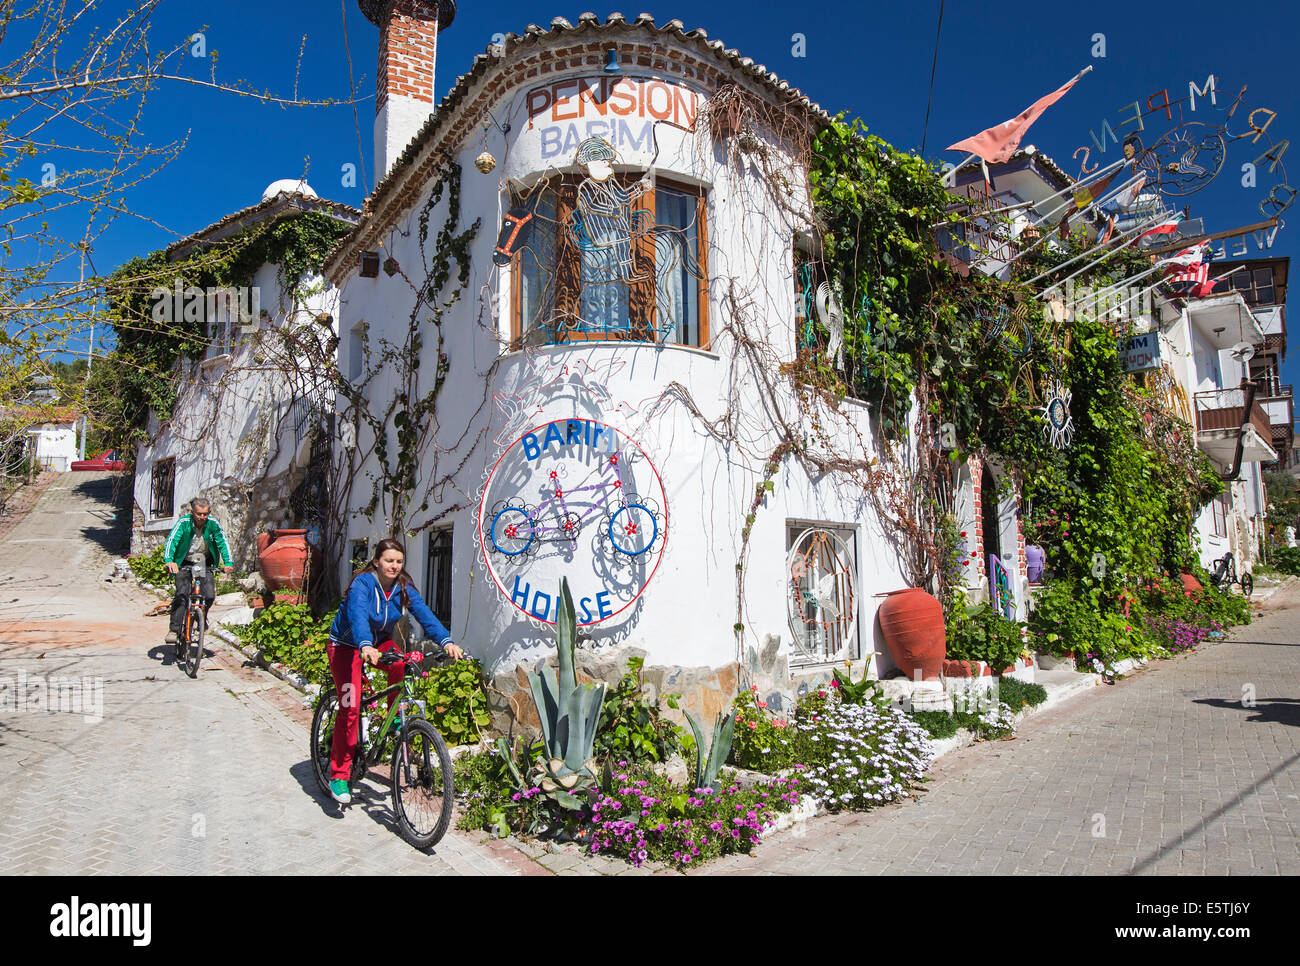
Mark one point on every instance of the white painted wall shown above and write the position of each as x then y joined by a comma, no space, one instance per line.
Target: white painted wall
233,422
687,612
56,445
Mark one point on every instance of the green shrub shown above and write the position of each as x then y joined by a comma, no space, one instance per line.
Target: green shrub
455,700
287,634
979,633
632,728
1018,694
761,742
938,724
150,567
1287,560
489,799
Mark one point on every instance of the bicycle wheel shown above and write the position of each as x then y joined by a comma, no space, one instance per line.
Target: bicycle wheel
1247,584
193,642
423,794
322,741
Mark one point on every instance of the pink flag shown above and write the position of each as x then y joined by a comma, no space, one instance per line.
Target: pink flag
998,143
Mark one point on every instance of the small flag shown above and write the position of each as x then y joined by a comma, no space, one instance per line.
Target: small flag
1127,198
998,143
1084,195
1166,227
1188,258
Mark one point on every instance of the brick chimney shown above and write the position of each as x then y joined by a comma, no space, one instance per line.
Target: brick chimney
404,84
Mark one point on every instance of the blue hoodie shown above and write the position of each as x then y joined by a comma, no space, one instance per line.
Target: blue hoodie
367,616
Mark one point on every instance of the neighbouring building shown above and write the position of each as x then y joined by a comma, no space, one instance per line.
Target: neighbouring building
250,428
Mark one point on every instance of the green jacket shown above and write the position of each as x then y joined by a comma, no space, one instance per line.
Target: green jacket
182,535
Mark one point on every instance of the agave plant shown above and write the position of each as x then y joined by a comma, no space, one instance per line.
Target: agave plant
706,770
569,713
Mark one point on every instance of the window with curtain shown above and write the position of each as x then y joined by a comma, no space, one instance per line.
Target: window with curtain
587,272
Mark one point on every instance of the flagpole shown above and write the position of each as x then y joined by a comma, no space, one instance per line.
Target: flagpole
1131,231
1047,224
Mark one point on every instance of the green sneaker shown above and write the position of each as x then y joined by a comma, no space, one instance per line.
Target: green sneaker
339,791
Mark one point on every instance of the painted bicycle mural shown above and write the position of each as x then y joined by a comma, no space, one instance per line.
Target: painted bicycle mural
575,498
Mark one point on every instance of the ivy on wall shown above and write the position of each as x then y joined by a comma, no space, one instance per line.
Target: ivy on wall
977,354
141,374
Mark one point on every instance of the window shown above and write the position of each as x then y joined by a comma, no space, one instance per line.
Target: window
162,488
1220,510
822,592
360,554
356,353
437,576
612,260
1256,285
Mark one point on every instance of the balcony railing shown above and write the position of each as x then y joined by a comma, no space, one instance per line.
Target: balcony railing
1225,409
1279,408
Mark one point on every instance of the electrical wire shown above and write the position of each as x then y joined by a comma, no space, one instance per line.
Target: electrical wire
935,63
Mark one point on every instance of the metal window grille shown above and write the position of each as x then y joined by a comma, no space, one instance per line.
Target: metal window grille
163,488
822,592
437,589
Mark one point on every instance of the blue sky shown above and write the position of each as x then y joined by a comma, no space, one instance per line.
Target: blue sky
871,60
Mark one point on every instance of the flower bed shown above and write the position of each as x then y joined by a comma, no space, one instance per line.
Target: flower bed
646,817
855,756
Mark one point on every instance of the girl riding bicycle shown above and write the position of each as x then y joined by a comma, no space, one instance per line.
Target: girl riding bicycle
362,630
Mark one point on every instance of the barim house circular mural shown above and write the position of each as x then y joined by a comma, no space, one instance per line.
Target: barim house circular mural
573,498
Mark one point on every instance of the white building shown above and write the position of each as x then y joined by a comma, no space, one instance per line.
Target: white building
1208,344
247,414
603,400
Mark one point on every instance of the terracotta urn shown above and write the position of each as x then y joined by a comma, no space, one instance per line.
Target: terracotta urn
912,622
282,557
1191,586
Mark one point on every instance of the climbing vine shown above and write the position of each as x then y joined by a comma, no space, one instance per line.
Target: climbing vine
142,372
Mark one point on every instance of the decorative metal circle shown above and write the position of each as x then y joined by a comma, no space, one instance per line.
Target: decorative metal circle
1185,159
1058,425
630,536
512,531
821,593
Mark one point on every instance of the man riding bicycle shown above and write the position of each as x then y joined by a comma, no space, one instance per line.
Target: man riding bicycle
195,539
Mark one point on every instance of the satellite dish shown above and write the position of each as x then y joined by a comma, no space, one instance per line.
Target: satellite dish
832,316
1243,351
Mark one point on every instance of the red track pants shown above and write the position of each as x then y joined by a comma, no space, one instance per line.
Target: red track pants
346,666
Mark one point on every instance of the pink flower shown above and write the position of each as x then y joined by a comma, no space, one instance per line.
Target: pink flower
762,704
779,724
752,725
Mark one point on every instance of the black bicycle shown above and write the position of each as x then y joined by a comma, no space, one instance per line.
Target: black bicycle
1224,575
189,645
419,767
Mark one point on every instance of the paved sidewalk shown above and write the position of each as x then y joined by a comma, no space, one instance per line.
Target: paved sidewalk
1165,772
180,775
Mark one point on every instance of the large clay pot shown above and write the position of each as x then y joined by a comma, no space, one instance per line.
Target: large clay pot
1191,586
282,558
912,622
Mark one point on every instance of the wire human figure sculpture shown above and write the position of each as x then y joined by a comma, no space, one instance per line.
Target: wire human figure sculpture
607,227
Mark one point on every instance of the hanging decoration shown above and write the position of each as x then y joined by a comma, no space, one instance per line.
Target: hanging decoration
485,162
1058,424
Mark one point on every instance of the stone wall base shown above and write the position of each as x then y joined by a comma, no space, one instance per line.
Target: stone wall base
704,691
